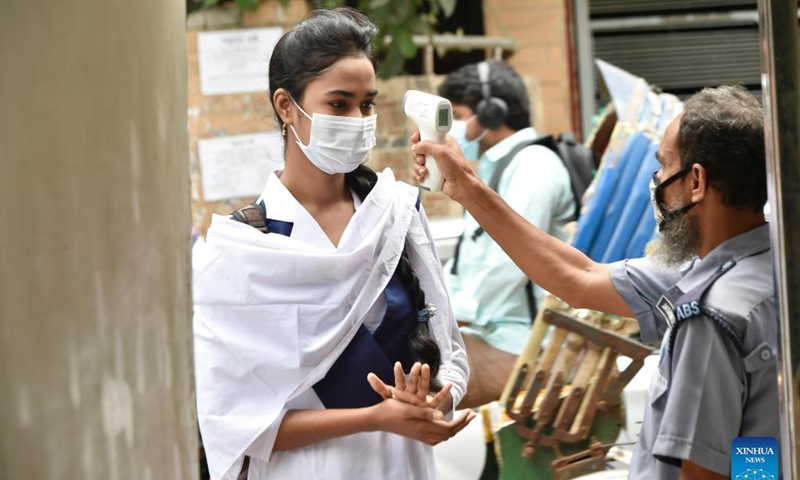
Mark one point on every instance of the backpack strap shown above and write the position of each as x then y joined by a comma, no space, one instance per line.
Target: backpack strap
253,214
580,162
534,310
502,165
494,183
690,305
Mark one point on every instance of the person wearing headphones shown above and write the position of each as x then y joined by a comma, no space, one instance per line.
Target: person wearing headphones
492,298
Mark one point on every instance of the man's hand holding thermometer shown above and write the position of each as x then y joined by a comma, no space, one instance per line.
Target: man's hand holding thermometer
434,117
439,163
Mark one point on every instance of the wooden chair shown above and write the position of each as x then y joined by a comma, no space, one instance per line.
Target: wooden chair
564,397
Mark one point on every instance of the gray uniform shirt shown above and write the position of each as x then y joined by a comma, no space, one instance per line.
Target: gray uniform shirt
717,377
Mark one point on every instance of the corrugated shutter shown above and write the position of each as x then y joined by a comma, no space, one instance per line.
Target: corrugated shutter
686,60
679,45
599,8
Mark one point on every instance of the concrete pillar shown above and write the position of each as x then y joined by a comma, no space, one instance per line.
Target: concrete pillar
780,83
95,328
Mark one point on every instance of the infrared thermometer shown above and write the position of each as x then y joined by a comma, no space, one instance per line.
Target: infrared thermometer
434,117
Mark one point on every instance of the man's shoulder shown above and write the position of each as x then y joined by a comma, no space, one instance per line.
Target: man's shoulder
650,269
749,281
747,286
745,298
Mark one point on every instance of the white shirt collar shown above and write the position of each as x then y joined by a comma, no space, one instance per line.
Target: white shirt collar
282,206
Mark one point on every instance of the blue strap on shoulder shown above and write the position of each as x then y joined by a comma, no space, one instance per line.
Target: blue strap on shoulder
689,306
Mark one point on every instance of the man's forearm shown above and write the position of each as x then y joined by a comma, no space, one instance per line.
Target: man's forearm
550,263
693,471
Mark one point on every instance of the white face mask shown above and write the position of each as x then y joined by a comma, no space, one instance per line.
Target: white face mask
337,144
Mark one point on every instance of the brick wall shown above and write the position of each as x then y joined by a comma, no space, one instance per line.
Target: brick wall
540,29
220,115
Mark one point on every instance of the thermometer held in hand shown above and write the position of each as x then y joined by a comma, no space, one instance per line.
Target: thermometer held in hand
434,117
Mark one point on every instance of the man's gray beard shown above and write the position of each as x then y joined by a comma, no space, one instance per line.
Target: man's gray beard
675,244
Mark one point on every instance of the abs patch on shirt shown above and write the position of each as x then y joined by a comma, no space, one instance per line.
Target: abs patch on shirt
667,309
688,310
754,458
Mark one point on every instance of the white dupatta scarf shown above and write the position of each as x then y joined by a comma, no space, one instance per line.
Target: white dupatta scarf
272,314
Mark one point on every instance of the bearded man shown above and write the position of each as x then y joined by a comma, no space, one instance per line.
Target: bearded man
705,288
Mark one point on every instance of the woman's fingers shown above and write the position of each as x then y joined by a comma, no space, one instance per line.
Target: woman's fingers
413,390
445,430
412,399
380,388
421,423
462,421
399,377
413,378
441,396
453,427
407,398
424,382
420,412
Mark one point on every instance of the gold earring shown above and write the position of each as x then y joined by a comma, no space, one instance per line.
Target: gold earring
283,130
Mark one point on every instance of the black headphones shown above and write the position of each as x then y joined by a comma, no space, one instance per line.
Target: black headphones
491,111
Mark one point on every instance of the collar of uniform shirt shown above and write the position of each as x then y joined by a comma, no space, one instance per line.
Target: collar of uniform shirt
282,204
739,247
504,146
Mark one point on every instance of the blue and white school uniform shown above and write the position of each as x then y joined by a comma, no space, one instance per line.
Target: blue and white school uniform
289,321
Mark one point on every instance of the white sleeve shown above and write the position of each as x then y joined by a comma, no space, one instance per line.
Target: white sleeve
426,263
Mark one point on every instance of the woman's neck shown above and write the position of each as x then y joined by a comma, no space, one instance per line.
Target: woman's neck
312,187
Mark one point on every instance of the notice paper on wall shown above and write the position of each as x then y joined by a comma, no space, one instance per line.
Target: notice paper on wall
238,166
235,61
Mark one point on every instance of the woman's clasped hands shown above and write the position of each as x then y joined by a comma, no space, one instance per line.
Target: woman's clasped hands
408,408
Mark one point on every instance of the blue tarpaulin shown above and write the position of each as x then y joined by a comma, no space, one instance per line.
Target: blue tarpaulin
638,197
617,220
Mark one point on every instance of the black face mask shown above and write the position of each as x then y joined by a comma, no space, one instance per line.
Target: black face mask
664,216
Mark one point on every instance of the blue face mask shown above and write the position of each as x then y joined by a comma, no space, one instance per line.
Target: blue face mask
470,148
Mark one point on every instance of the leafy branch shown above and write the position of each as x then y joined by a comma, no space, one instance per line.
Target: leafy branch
398,19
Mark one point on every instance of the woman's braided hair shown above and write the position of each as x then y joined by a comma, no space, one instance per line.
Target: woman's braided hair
361,180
